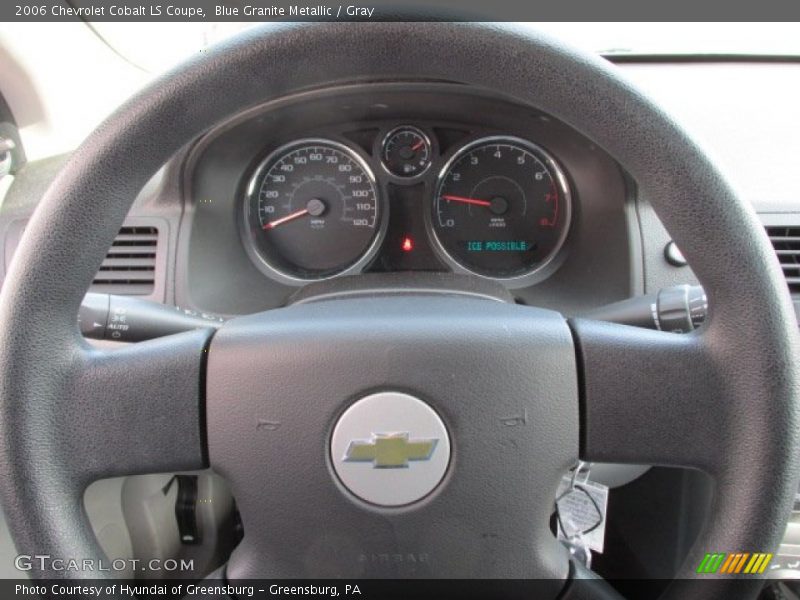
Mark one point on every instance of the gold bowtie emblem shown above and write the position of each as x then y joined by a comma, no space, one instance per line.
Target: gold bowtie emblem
390,450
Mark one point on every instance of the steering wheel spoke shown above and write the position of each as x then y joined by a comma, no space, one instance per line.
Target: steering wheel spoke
640,391
136,409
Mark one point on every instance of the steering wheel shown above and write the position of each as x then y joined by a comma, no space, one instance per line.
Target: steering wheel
260,400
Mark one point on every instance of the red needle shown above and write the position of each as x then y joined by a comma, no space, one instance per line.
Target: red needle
418,145
290,217
474,201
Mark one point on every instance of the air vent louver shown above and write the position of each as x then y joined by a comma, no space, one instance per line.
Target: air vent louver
786,241
130,265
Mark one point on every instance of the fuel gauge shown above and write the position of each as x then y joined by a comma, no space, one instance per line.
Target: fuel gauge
406,152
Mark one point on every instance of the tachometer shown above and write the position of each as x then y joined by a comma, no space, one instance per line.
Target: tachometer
501,209
313,212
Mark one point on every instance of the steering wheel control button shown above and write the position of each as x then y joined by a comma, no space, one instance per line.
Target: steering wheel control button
390,449
674,255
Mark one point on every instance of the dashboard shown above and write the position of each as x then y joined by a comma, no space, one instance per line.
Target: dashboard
403,178
206,216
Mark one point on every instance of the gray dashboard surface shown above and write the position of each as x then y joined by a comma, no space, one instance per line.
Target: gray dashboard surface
733,108
596,265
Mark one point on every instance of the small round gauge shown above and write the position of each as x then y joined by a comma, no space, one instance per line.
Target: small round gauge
312,212
406,152
501,210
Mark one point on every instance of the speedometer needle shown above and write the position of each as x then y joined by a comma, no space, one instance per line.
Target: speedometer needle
463,200
290,217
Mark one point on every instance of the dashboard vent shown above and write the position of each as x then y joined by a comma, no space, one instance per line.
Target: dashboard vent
786,241
130,265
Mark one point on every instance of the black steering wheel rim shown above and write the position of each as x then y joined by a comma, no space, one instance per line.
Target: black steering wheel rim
48,376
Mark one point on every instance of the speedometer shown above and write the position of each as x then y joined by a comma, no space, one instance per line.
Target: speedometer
312,212
501,210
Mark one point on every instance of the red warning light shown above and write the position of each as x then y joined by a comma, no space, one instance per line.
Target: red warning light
407,245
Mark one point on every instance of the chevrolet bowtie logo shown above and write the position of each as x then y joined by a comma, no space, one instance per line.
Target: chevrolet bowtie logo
390,450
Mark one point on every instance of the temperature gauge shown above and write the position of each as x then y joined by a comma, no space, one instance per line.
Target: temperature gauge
406,152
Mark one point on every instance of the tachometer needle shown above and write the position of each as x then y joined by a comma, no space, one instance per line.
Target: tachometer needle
463,200
418,145
290,217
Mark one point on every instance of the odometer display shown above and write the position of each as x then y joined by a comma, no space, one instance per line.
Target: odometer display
501,209
313,211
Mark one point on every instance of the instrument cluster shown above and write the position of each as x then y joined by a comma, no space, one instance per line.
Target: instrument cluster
407,197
